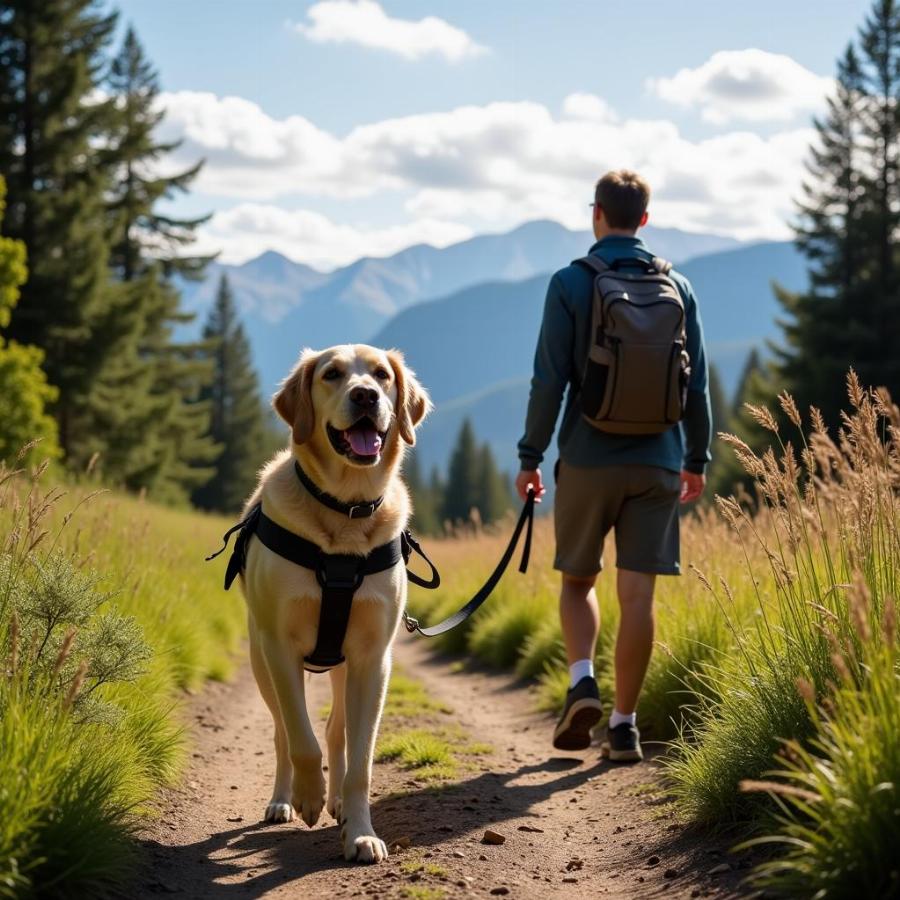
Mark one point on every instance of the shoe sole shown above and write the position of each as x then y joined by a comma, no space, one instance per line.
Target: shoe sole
574,732
635,755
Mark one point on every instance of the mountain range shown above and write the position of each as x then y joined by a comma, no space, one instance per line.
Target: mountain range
467,316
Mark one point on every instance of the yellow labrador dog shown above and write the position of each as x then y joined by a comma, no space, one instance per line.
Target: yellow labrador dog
351,410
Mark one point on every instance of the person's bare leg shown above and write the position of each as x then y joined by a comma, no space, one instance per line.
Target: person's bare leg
635,639
580,617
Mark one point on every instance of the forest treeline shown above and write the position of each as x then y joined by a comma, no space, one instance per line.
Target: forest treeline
94,361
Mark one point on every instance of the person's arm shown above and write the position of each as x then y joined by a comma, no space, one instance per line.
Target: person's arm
552,371
696,426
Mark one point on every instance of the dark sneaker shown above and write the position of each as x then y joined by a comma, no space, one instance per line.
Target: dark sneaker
622,744
581,713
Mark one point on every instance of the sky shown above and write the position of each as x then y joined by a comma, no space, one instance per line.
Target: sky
334,129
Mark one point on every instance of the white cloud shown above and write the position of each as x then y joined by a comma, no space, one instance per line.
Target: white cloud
248,229
473,167
364,22
751,85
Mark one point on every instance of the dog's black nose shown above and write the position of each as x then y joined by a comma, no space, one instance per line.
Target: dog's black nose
364,398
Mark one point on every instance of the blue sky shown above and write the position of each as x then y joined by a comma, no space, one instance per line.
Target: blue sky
341,127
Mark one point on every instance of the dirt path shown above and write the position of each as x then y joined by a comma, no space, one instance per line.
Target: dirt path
575,826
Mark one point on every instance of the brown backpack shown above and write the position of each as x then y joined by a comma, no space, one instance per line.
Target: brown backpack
636,374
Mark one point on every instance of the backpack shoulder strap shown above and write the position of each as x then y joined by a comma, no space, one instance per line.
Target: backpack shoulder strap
663,266
594,263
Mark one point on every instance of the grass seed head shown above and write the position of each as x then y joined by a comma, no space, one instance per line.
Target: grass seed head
790,408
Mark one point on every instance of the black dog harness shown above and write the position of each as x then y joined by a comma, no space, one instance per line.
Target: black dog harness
340,575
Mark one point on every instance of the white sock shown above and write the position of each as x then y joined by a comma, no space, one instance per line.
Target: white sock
618,718
582,668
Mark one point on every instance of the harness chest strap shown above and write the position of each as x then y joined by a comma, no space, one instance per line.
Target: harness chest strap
339,575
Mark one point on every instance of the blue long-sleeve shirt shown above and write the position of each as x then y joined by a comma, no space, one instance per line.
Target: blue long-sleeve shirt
558,362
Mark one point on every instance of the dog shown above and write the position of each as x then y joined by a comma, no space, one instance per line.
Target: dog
352,410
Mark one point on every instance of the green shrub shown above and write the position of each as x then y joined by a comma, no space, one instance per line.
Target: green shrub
839,829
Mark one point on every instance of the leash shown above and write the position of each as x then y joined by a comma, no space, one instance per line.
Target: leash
526,518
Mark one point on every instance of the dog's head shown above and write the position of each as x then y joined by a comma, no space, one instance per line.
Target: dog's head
353,404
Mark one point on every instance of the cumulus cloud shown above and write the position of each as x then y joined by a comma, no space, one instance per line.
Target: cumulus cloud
364,22
248,229
485,167
751,85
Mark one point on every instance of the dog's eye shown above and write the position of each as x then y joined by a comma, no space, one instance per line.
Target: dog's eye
382,374
331,375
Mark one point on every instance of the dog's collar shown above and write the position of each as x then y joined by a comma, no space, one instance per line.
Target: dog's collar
361,509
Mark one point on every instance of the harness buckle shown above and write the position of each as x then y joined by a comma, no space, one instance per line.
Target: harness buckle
412,625
340,571
366,508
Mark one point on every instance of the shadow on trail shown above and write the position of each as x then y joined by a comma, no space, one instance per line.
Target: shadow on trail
265,857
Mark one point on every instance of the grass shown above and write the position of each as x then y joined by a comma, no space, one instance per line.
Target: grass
106,611
434,751
776,662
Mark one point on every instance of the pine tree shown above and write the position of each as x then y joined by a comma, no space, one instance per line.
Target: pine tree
237,412
494,498
462,493
848,221
51,123
140,235
425,517
155,428
721,421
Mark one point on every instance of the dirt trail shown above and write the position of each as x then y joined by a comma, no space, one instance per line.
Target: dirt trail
575,825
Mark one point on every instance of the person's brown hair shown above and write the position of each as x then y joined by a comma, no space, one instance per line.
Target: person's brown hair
623,196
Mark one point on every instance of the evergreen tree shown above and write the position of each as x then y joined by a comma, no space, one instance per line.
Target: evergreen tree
237,413
848,223
425,517
438,489
154,432
51,123
24,392
462,492
494,497
750,376
140,235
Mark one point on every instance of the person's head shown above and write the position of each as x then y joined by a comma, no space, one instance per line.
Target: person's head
620,203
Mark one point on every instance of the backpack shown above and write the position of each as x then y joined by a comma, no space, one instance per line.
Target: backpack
636,375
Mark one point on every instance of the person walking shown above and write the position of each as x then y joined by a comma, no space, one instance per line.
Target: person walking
622,340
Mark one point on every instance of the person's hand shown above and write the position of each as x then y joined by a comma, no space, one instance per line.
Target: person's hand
692,485
530,479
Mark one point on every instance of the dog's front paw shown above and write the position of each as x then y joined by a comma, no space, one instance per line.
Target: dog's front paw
334,807
364,848
308,794
279,811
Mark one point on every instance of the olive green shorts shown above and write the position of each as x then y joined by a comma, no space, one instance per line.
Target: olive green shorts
639,502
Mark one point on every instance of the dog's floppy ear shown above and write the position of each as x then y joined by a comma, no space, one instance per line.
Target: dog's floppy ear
293,402
413,402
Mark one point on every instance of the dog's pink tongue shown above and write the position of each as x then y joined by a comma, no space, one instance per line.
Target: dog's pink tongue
363,441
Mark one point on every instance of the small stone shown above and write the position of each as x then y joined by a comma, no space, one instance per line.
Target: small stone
531,828
235,819
570,880
720,869
482,857
493,837
459,855
670,873
401,843
500,891
653,861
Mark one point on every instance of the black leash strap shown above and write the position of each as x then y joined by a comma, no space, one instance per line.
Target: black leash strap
525,518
